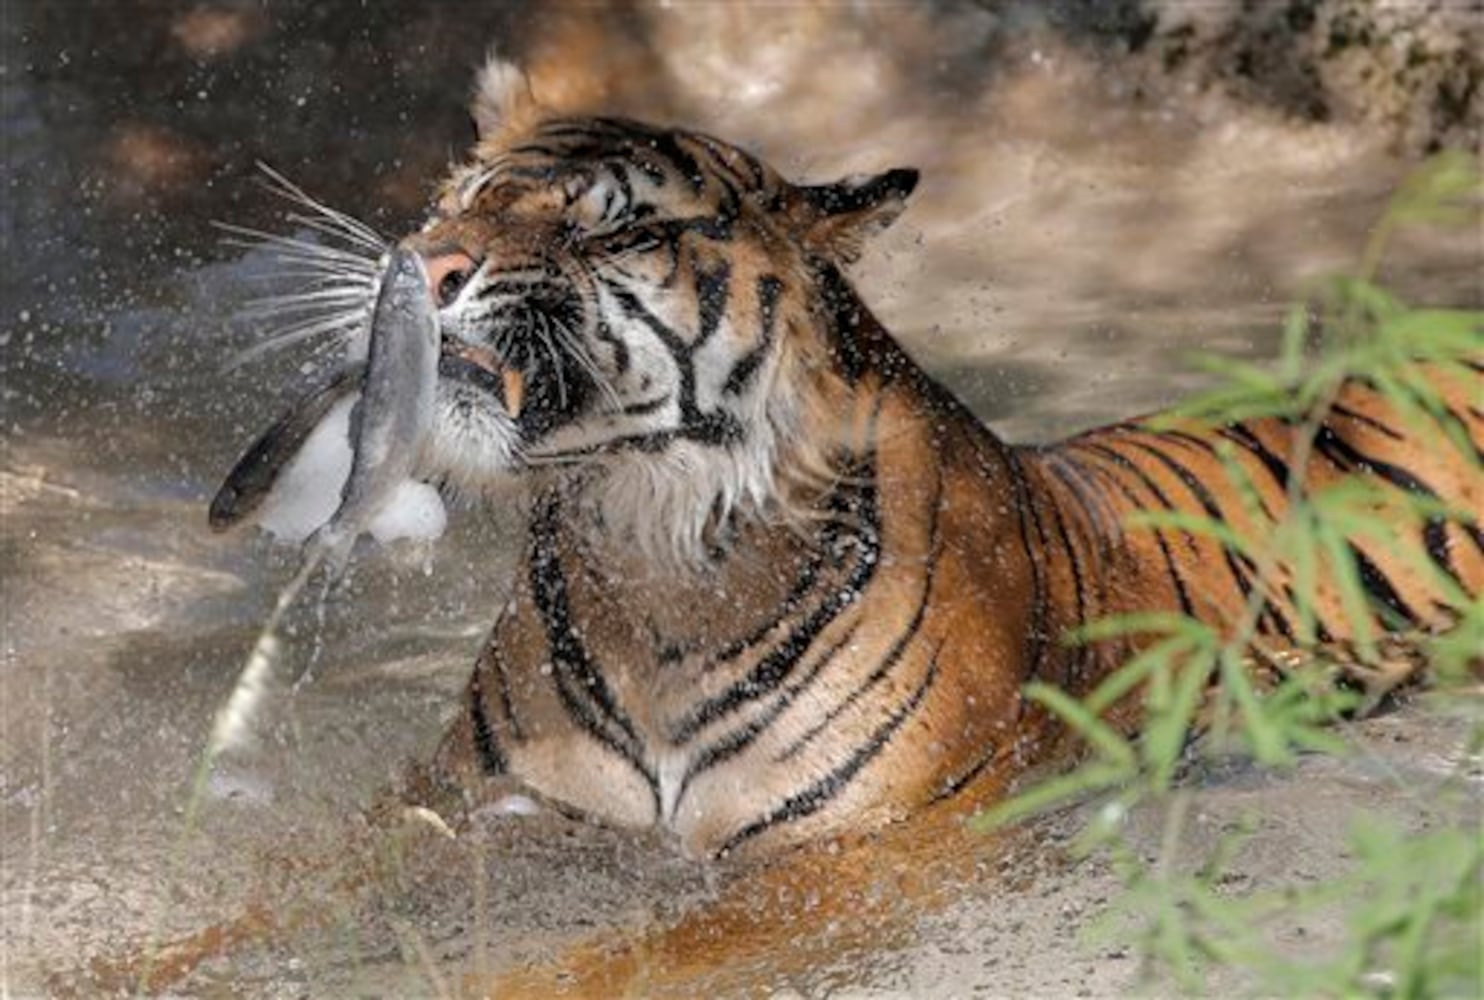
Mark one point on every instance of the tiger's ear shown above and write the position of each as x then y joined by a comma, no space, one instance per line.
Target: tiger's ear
503,99
838,218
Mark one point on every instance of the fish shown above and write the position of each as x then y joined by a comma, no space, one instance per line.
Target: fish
390,423
393,417
253,478
394,390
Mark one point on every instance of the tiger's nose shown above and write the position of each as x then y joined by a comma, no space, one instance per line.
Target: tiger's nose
447,275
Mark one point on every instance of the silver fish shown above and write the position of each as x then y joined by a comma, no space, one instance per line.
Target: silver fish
390,423
252,479
394,414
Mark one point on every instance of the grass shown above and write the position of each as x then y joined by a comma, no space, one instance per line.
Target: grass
1411,901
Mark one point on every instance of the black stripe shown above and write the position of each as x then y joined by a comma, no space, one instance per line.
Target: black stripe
817,795
1434,406
1128,465
845,500
549,587
721,155
712,227
802,584
1036,634
898,647
1393,610
491,760
621,355
1276,467
769,288
1206,447
1435,540
626,242
1238,565
1175,578
1076,661
667,144
743,737
845,315
774,667
579,682
730,203
619,171
1094,502
717,427
1451,416
713,289
833,199
647,406
1347,457
537,287
1078,584
953,786
507,707
1351,414
536,149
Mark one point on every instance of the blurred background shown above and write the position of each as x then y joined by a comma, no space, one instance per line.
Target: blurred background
1108,186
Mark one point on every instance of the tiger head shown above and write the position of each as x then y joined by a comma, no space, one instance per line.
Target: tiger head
640,309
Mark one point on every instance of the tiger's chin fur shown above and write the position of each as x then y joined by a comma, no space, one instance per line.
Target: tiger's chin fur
780,583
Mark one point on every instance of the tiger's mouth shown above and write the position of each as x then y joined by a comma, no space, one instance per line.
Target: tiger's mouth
483,369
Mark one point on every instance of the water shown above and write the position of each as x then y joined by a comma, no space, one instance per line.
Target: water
1069,244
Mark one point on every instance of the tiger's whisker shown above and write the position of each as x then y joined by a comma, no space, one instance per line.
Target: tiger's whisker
330,228
574,346
257,239
555,353
349,224
314,278
344,323
272,305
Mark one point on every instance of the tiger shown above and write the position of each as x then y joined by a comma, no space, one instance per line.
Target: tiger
778,581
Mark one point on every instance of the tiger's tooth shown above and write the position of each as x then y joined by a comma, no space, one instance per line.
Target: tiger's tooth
515,389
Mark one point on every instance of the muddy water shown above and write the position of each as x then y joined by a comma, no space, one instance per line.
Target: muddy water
1071,241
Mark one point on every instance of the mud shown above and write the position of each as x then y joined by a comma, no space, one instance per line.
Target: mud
1093,208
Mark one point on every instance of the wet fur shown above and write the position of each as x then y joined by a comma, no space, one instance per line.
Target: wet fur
803,591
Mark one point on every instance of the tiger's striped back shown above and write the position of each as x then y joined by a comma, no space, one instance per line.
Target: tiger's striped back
1108,474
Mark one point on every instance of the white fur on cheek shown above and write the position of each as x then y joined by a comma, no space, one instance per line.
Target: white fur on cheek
474,443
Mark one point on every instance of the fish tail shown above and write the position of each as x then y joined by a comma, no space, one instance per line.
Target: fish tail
234,719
